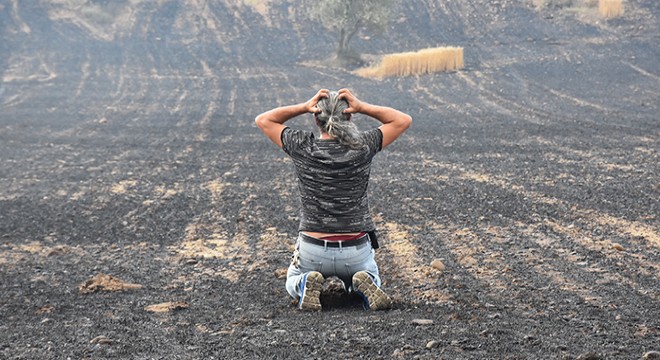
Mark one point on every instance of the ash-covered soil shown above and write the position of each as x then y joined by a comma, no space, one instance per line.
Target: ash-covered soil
143,215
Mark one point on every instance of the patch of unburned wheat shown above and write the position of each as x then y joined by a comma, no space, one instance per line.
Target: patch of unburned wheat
424,61
610,8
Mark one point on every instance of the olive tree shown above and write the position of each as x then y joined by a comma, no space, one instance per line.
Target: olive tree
348,17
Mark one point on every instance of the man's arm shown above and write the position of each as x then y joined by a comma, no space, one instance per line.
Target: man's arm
272,121
394,121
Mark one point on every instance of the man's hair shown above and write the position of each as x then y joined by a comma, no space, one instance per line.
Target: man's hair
332,120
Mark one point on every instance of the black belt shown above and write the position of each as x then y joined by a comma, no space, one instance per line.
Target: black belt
335,243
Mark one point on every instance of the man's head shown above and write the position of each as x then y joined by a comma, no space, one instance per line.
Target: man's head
332,120
332,109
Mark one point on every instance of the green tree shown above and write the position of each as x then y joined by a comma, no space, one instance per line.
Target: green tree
348,17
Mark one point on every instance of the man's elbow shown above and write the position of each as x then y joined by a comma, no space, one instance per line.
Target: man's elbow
260,121
406,121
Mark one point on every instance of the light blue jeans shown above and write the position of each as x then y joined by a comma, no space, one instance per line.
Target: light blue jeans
342,262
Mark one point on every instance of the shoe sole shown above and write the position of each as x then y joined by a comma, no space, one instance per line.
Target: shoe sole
311,296
374,296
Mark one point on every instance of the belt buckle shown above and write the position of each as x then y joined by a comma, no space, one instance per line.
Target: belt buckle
328,243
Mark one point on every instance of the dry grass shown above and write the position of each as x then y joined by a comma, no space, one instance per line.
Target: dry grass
610,8
106,283
414,63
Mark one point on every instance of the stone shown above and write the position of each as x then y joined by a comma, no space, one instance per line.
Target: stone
281,273
432,344
438,265
422,321
333,285
101,339
589,356
166,306
651,355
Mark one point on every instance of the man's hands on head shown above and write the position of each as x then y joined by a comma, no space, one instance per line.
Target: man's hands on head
272,121
310,105
394,121
354,105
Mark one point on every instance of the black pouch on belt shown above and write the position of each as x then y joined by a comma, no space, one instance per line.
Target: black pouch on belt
373,238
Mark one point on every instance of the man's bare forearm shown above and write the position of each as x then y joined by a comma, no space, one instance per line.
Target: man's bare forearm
282,114
384,114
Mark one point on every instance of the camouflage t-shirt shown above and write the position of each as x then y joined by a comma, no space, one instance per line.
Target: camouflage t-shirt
332,180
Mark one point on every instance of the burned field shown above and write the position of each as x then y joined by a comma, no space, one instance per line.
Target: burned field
143,215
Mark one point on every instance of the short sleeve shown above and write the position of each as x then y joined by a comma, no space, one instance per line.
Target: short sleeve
292,140
373,139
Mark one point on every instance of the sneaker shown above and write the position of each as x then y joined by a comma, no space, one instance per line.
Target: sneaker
374,297
310,288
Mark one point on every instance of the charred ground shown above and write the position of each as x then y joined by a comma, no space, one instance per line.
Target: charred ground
127,148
